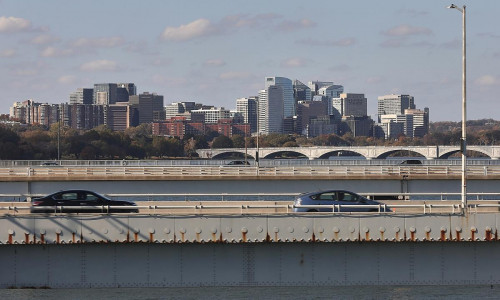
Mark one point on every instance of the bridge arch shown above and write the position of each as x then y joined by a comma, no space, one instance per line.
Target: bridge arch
470,153
411,153
232,154
286,154
341,153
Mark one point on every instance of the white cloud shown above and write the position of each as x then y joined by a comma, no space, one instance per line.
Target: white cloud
99,65
54,52
214,63
105,42
44,39
295,25
234,75
67,79
407,30
8,53
13,24
195,29
487,80
294,62
345,42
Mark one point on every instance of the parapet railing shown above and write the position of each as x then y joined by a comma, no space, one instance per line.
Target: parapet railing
242,171
243,209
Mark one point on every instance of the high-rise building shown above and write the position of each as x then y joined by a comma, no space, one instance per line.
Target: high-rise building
118,116
270,115
82,96
301,92
124,90
394,105
349,104
248,108
307,111
149,107
105,93
316,85
213,114
420,121
288,100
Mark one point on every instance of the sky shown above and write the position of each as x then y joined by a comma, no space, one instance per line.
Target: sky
214,52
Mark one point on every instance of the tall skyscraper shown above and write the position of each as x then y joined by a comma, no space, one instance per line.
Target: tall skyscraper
149,107
349,104
301,92
394,104
124,90
288,100
248,108
105,93
81,96
271,110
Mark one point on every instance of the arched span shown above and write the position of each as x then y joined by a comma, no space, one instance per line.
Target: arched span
410,153
232,154
286,154
470,153
341,153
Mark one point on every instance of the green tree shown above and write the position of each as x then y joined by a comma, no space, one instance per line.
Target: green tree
222,141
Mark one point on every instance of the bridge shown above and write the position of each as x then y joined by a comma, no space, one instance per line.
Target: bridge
368,152
256,243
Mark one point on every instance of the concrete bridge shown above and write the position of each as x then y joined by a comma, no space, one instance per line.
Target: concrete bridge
368,152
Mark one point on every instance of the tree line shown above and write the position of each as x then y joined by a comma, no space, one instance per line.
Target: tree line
39,143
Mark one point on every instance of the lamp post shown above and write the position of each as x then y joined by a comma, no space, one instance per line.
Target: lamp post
463,145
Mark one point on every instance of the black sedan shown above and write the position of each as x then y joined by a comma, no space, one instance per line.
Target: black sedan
79,201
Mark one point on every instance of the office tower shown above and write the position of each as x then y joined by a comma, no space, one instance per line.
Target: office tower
124,90
394,104
349,104
288,100
307,111
331,91
316,85
301,92
248,108
213,114
117,116
419,121
270,115
82,96
149,107
105,93
178,109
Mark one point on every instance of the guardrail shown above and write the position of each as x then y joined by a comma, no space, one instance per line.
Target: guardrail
223,171
238,208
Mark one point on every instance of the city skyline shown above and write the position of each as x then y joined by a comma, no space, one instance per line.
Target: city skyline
215,53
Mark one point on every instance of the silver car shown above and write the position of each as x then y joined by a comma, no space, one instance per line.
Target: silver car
336,200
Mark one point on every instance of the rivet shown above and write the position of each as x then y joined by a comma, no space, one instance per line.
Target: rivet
321,229
276,229
182,230
166,230
136,230
151,230
42,231
197,230
366,229
382,229
444,229
473,229
397,229
290,229
244,230
214,230
305,229
413,229
352,229
488,228
10,231
260,229
229,229
427,229
458,229
336,229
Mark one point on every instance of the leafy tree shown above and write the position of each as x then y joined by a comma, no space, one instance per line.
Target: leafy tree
222,141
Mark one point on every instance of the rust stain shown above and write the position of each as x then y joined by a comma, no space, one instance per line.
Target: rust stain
472,234
128,237
458,235
428,236
443,236
367,236
214,237
275,236
10,239
397,236
488,235
268,238
42,238
136,237
151,239
182,237
244,237
382,236
412,236
197,237
336,234
313,237
74,239
58,238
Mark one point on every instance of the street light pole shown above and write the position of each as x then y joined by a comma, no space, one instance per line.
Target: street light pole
463,146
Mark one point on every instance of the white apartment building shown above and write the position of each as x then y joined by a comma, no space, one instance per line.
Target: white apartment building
213,114
271,104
